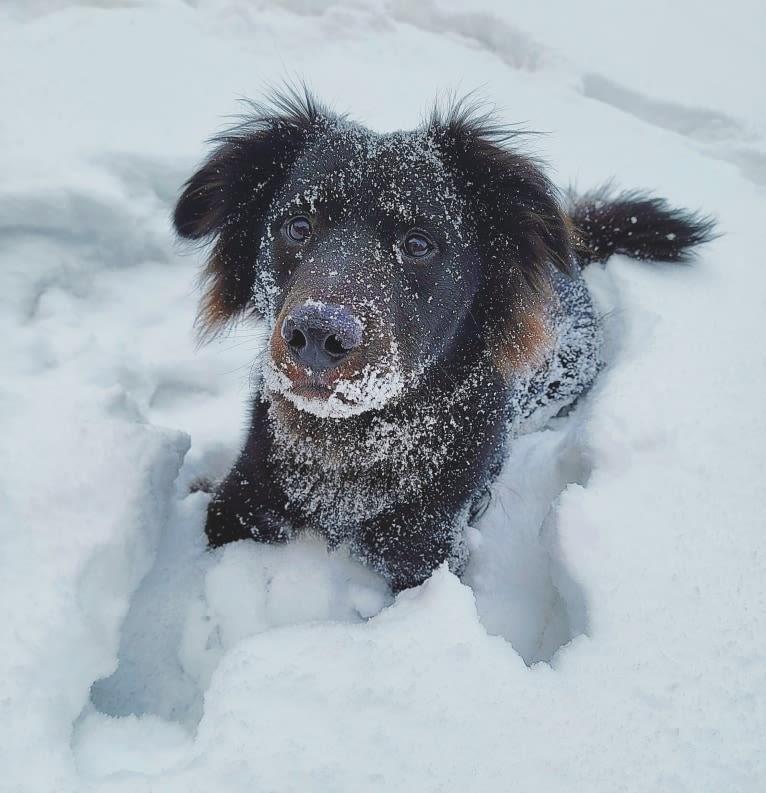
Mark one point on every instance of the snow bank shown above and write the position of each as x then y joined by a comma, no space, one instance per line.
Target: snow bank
609,631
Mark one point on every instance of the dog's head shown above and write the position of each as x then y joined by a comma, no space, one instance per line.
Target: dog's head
374,257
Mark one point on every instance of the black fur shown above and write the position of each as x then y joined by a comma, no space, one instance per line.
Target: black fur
637,225
393,450
228,197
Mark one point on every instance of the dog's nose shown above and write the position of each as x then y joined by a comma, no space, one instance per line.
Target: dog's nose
321,335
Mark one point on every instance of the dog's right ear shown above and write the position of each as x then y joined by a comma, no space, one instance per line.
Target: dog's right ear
524,235
227,199
212,195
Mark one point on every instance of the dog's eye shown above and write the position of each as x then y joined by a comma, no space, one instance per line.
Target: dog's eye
298,228
417,244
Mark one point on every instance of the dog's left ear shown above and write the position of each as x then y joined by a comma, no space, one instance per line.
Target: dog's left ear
523,232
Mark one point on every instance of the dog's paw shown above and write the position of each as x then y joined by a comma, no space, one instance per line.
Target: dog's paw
229,522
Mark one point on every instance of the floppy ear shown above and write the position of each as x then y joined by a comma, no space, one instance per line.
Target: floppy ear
228,198
523,233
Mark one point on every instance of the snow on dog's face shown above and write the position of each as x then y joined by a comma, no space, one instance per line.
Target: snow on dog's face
366,270
373,257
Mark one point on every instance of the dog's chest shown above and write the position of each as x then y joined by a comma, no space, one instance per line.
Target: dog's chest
336,477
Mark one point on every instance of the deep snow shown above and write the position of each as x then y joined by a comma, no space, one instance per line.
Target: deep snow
609,633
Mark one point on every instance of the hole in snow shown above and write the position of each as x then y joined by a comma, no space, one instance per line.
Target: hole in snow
519,580
194,604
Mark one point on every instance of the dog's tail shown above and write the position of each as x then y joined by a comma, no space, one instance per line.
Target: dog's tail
635,224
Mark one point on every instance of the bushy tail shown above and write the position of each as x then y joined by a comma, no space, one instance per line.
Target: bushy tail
637,225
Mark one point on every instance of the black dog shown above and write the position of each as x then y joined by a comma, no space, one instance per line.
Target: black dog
426,303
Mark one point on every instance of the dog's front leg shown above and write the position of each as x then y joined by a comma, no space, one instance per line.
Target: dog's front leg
239,510
244,506
409,545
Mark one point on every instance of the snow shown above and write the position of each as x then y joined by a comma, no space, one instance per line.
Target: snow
609,631
372,388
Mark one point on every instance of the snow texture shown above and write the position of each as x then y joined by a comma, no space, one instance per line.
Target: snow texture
608,633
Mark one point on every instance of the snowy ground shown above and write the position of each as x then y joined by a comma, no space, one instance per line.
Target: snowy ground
610,633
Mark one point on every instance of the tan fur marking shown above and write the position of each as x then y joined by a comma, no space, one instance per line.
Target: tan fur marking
523,345
215,312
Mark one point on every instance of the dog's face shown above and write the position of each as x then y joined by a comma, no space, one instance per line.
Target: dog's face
374,257
367,271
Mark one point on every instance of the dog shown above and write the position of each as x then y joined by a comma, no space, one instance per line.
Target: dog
424,295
